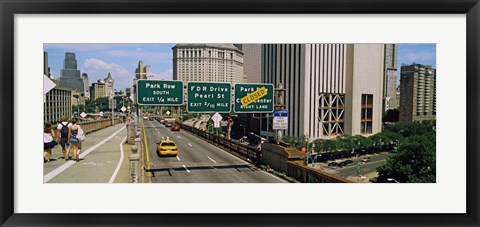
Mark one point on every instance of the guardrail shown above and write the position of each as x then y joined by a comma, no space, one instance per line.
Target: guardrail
243,151
92,126
305,174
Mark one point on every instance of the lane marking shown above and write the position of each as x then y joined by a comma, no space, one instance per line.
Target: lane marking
190,145
145,144
179,137
188,171
119,162
67,165
212,160
178,158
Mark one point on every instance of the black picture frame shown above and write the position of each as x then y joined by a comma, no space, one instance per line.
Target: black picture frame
11,7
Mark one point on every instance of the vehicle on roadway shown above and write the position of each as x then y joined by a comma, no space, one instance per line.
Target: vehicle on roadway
168,124
366,159
167,147
145,118
175,128
333,164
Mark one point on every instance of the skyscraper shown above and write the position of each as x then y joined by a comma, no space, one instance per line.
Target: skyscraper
70,75
86,86
331,89
417,93
142,71
208,62
390,77
109,85
46,69
252,61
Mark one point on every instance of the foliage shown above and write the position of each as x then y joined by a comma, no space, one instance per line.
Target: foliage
391,115
414,162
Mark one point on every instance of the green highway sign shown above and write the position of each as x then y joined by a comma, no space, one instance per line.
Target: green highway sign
253,98
160,92
208,97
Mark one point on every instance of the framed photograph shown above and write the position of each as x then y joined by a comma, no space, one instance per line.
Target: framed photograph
139,56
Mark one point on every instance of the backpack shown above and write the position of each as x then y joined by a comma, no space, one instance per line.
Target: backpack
64,130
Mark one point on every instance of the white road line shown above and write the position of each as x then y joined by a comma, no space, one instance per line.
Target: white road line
188,171
119,162
190,145
67,165
179,137
212,160
236,158
178,158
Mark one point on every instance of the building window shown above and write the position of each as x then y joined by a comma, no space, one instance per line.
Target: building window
366,114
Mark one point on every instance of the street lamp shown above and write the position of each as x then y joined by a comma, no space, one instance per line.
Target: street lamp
391,179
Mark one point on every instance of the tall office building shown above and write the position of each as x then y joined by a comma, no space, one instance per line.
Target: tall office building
252,61
417,93
86,92
331,89
252,68
109,85
58,103
142,71
98,90
208,62
46,69
390,100
70,75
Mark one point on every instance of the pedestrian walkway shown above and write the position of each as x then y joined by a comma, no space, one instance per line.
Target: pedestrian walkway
103,159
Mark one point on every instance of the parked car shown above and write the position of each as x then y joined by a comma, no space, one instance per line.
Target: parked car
168,124
333,164
366,159
348,161
175,128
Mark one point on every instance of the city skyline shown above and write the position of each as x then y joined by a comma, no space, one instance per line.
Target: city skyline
121,60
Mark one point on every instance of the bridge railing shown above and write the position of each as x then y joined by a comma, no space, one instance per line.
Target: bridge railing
248,153
92,126
305,174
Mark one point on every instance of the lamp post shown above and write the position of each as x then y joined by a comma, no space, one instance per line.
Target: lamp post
391,179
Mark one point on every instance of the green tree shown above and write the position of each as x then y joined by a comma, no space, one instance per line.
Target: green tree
414,162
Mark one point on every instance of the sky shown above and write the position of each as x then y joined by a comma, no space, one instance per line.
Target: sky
121,60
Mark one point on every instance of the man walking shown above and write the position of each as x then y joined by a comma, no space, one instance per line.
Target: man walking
63,129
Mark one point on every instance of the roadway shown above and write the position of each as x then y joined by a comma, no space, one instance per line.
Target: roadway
198,161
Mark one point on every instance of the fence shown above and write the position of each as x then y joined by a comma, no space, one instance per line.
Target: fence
92,126
251,154
305,174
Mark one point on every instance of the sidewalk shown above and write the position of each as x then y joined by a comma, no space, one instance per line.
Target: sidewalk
99,158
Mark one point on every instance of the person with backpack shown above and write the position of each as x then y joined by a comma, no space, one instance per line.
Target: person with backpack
63,130
75,143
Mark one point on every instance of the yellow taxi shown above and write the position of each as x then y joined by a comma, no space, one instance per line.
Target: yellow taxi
167,147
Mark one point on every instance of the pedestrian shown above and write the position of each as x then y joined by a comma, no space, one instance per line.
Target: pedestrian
48,142
63,130
124,120
75,143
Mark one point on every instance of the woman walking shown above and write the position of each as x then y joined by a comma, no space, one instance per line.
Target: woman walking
75,143
48,142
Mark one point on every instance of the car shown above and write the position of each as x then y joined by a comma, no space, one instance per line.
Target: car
167,147
145,118
168,124
333,164
175,128
342,164
348,161
366,159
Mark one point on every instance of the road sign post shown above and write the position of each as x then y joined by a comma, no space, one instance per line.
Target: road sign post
160,92
253,98
208,97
